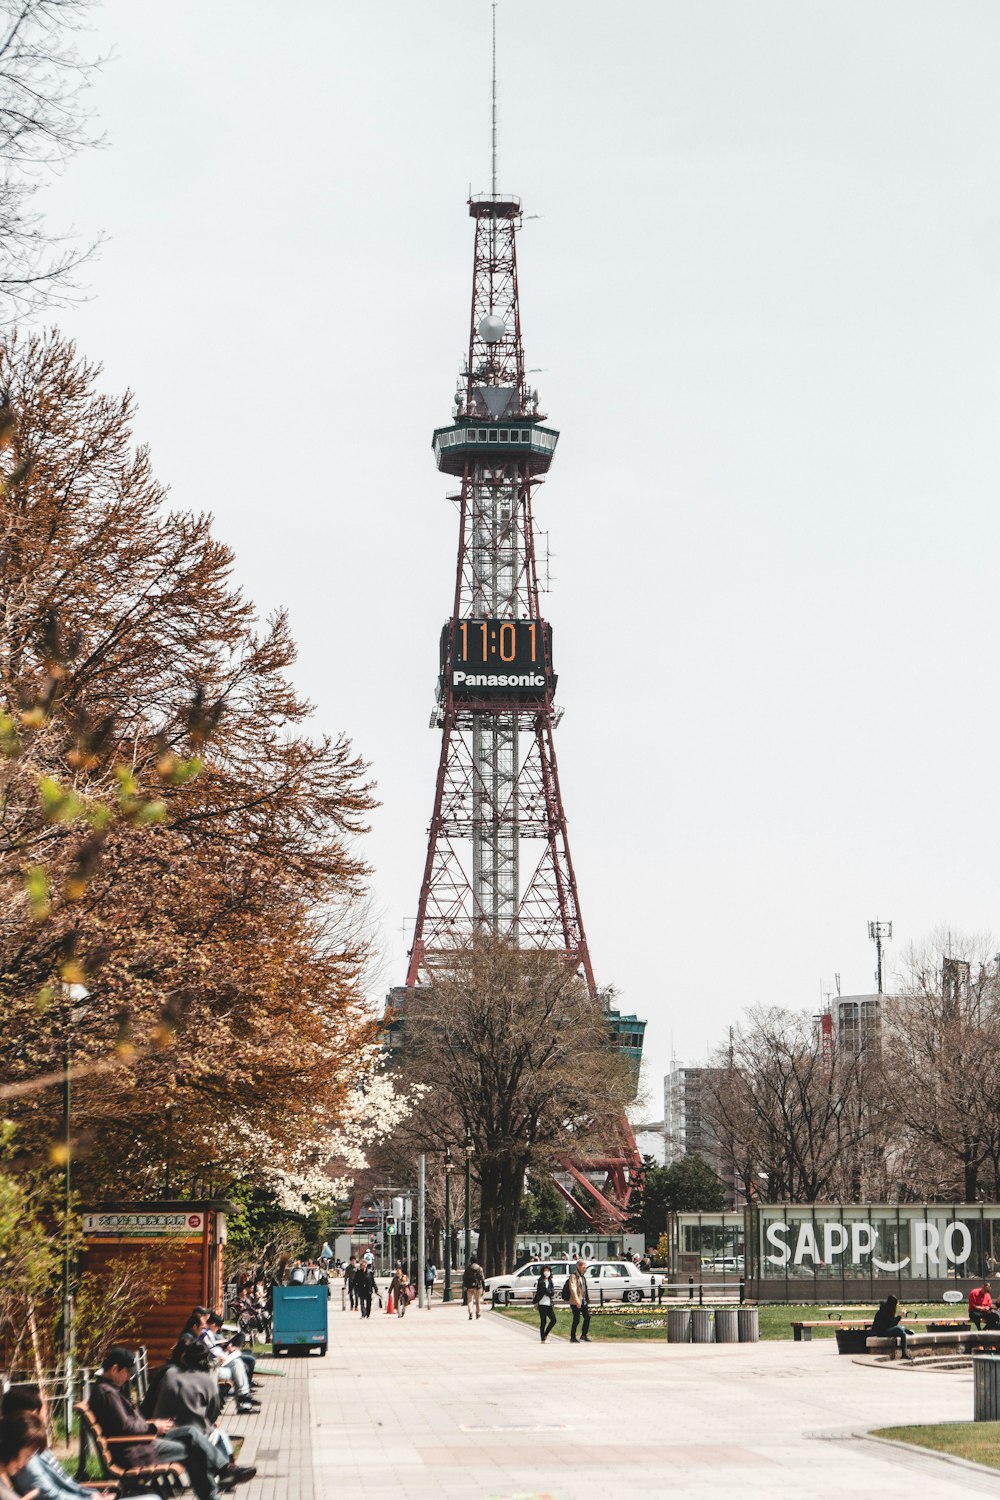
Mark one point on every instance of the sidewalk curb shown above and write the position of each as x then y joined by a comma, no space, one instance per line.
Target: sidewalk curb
922,1452
526,1328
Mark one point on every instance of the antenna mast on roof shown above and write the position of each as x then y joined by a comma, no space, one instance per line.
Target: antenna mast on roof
494,98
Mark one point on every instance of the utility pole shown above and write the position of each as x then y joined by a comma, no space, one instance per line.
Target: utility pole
879,932
421,1228
469,1148
446,1297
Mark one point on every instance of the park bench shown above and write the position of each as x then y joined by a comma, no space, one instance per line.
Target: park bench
803,1328
164,1479
965,1340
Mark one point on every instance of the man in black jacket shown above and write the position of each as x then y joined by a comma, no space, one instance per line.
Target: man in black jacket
158,1441
365,1288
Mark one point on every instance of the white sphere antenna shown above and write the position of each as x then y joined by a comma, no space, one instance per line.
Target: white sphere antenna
492,329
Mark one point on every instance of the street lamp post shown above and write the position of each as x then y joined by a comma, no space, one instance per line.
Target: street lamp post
446,1296
74,995
468,1198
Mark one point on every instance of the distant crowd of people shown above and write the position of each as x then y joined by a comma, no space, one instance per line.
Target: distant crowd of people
362,1286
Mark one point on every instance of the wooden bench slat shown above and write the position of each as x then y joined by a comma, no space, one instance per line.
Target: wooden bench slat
160,1476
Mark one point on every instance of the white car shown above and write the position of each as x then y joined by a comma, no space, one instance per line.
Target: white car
619,1281
519,1286
608,1281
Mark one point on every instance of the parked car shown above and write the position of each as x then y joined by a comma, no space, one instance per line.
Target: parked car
519,1286
619,1279
610,1280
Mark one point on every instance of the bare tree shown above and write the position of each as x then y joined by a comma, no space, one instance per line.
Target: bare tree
942,1037
44,121
512,1050
796,1121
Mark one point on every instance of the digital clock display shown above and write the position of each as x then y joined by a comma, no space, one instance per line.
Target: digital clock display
498,658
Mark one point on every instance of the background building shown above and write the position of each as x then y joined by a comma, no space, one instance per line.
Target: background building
687,1128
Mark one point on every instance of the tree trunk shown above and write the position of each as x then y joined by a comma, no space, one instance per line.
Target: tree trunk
971,1180
501,1187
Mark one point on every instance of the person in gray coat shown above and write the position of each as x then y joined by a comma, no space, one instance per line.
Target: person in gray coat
189,1396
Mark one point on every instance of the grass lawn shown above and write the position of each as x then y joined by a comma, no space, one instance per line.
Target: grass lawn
775,1322
978,1441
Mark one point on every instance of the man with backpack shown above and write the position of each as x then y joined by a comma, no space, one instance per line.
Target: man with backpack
473,1285
579,1301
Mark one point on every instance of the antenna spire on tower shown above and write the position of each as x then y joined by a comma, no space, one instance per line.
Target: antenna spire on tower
494,98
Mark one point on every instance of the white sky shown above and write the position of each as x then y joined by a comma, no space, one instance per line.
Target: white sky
763,289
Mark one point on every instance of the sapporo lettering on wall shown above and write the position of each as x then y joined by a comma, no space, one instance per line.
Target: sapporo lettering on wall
934,1248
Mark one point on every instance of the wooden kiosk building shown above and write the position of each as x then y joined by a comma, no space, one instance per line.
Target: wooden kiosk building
182,1240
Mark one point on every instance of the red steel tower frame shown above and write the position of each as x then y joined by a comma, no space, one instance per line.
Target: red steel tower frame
498,855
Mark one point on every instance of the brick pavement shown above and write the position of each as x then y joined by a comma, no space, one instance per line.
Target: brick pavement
431,1405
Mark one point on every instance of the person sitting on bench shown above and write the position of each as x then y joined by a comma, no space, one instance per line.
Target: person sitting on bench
21,1437
156,1442
228,1364
981,1309
886,1324
43,1475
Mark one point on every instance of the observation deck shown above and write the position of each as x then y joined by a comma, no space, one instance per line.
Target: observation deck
511,441
494,206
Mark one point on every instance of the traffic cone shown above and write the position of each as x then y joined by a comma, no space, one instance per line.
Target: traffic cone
390,1306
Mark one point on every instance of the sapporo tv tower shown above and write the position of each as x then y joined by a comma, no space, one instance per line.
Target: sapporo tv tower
498,855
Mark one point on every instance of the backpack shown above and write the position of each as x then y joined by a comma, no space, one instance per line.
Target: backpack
147,1405
470,1279
564,1294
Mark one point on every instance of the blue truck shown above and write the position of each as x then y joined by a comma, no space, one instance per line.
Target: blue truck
300,1319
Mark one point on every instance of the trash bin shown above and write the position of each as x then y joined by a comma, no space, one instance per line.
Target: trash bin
748,1322
986,1387
727,1329
678,1325
702,1326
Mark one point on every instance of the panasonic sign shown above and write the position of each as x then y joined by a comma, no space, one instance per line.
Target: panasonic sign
498,680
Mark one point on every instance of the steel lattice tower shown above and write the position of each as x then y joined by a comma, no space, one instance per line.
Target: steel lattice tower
498,854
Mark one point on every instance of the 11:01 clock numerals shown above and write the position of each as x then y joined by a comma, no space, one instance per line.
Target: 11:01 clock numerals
500,637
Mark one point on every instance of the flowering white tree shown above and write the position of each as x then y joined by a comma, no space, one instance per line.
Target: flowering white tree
325,1169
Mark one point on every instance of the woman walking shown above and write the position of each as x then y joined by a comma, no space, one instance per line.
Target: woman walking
398,1291
544,1299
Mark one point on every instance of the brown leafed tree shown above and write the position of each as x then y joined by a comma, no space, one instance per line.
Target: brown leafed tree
511,1050
217,921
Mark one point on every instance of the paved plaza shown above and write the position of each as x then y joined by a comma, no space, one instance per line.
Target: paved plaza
433,1405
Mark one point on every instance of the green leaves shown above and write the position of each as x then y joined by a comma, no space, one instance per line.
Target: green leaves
58,804
36,884
10,740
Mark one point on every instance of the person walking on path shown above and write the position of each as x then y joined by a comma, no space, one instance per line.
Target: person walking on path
886,1324
398,1290
366,1289
544,1300
579,1300
350,1275
473,1285
430,1271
